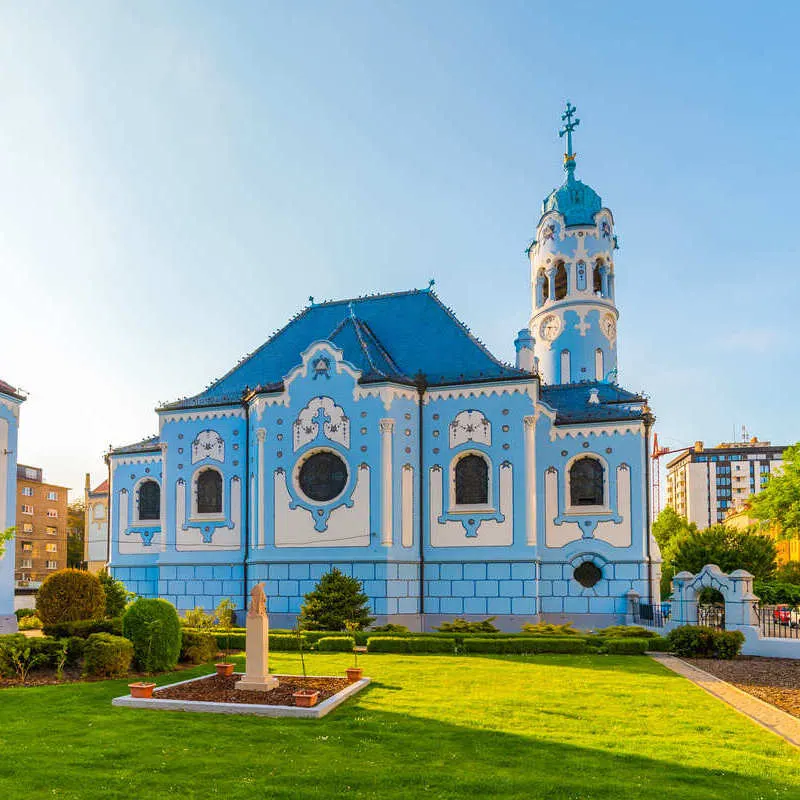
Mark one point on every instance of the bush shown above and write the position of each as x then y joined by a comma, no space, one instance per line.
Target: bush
30,624
285,642
700,642
235,641
42,652
198,647
658,644
388,644
431,644
75,648
69,595
107,656
336,644
390,628
548,629
459,625
198,619
115,593
155,630
84,628
526,645
337,599
626,631
24,612
626,646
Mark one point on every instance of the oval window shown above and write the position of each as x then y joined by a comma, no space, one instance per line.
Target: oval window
587,574
323,476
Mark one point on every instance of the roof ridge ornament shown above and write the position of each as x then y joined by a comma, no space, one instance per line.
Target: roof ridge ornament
569,127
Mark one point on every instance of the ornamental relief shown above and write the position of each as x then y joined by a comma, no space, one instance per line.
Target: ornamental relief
470,426
208,444
321,417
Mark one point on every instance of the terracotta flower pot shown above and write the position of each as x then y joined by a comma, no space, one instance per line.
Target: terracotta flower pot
141,689
305,698
354,674
225,669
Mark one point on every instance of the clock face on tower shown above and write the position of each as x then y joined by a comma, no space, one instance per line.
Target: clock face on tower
550,327
609,327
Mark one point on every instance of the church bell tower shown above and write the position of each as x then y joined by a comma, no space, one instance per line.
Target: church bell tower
574,319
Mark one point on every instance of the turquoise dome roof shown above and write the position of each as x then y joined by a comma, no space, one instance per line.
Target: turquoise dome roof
575,200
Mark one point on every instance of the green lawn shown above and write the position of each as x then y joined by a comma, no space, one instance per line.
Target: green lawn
549,726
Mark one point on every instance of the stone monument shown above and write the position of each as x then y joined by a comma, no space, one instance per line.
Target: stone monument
257,677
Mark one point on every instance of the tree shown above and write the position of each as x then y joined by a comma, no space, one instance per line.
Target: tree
727,548
668,528
76,522
789,572
335,600
779,501
117,595
6,536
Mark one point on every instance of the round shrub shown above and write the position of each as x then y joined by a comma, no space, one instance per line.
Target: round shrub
69,595
107,656
198,647
155,630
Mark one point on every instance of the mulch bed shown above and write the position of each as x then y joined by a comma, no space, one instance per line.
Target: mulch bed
773,680
220,689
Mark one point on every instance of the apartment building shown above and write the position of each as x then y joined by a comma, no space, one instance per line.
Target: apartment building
706,484
41,527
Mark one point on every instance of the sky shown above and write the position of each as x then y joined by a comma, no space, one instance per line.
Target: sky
177,178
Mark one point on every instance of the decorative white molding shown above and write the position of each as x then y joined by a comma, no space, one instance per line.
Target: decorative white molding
204,413
530,478
313,351
258,404
407,505
470,426
11,405
121,460
208,444
566,532
261,435
482,390
387,393
387,429
618,534
335,428
636,427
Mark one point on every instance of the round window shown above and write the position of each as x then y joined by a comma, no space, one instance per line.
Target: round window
323,476
587,574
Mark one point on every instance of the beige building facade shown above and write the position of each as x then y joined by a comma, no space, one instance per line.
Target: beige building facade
41,536
705,485
95,541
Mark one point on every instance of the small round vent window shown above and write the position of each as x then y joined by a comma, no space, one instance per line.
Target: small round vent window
323,476
587,574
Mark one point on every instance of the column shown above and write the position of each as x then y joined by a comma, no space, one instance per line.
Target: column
530,478
551,283
387,428
162,521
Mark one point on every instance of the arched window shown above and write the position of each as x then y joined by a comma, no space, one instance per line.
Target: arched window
545,284
561,281
586,482
472,481
565,367
149,500
209,492
599,374
597,278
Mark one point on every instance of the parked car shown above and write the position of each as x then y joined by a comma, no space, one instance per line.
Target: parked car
785,615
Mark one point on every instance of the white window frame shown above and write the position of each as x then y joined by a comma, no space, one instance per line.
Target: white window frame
52,513
26,509
27,491
471,508
51,547
146,522
587,510
210,516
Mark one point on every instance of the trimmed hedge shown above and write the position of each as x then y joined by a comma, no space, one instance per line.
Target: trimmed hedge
68,595
702,642
431,644
155,630
84,628
627,647
388,644
198,648
336,644
108,656
525,645
658,644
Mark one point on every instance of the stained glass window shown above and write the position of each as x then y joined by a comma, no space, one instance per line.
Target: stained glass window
209,492
561,281
472,481
323,476
149,500
586,482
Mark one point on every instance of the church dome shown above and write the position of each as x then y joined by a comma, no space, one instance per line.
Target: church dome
576,201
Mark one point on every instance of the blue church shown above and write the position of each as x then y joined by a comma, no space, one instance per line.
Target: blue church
379,436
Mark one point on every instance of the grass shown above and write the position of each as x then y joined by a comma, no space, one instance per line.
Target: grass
548,726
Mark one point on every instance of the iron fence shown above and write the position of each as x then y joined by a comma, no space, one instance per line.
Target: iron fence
778,621
651,614
710,616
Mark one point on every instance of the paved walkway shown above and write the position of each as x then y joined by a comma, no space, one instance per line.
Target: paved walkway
773,719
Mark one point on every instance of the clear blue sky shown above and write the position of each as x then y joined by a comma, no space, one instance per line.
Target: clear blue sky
176,178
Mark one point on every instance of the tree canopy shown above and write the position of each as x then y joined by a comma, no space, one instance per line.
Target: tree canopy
336,600
779,501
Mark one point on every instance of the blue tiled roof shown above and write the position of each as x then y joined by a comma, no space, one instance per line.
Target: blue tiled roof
144,446
386,336
571,403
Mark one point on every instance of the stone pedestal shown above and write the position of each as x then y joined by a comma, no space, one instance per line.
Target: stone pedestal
257,678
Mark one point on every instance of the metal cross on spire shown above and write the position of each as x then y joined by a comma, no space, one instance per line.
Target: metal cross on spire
569,127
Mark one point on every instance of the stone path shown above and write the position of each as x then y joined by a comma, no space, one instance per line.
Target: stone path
773,719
